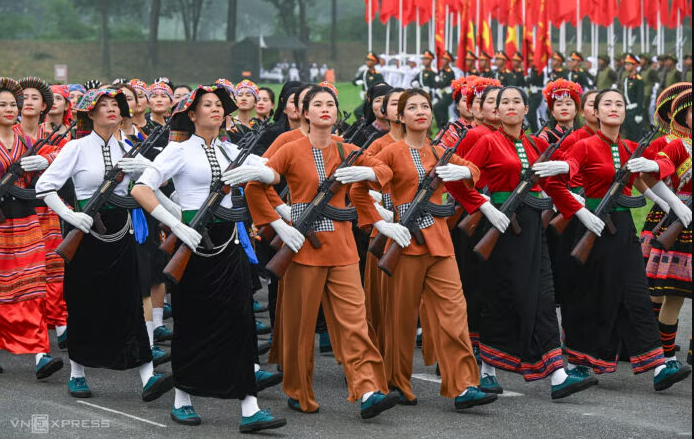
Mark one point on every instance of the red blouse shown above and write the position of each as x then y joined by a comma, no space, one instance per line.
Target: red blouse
578,135
676,162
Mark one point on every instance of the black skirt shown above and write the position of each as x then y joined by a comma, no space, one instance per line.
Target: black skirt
151,260
469,267
563,267
212,351
519,330
610,304
104,304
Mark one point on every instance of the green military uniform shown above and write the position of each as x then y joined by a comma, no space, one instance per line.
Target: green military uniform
606,78
688,76
502,75
487,73
516,78
472,72
561,72
650,78
672,77
580,77
365,79
445,95
535,81
426,80
633,89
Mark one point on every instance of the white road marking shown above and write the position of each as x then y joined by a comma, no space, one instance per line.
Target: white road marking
121,413
435,379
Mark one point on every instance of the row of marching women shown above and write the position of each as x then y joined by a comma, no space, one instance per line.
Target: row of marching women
471,239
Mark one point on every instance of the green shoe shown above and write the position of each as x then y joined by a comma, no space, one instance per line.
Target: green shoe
167,311
162,333
157,385
379,403
48,366
259,307
324,344
263,379
403,400
62,340
673,373
474,397
159,356
296,406
572,384
78,388
581,372
261,328
489,384
262,420
186,415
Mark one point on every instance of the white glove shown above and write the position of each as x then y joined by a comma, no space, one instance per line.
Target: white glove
289,235
386,214
284,211
173,208
657,200
680,209
452,172
579,198
396,232
34,163
638,119
246,173
377,196
189,236
642,165
135,165
175,198
353,174
590,221
80,220
359,82
495,216
550,168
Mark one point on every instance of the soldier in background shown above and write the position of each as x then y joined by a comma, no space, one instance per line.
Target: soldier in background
516,76
650,80
672,75
501,73
485,65
443,89
558,70
471,64
606,77
633,89
366,77
687,68
535,80
426,79
577,73
619,67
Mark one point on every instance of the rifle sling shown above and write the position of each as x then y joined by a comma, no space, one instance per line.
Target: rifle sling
532,200
221,214
624,203
440,210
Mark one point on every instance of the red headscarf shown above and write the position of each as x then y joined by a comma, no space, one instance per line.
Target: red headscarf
63,91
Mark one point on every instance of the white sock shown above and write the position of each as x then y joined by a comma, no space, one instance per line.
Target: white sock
181,399
146,372
249,406
166,298
60,330
419,331
571,366
150,332
464,392
488,370
38,358
659,369
76,370
559,376
366,396
673,358
158,317
257,368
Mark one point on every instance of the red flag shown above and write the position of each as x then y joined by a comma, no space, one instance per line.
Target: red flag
425,10
409,12
374,10
440,30
467,31
511,44
681,7
543,48
515,13
484,31
630,13
563,11
605,13
527,43
389,9
650,11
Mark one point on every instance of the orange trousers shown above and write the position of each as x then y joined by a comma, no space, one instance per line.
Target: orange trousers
431,286
339,290
373,293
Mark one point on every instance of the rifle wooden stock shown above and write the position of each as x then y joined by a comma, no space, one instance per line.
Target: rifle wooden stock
267,234
378,245
276,242
547,217
584,247
390,259
667,239
417,236
177,265
559,224
470,223
454,220
98,225
169,244
486,245
280,262
70,244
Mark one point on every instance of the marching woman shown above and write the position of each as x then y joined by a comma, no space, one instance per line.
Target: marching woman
60,112
670,271
563,100
246,94
213,344
329,274
374,120
265,107
375,282
138,111
459,88
23,319
426,274
160,100
518,324
38,100
609,303
107,330
76,93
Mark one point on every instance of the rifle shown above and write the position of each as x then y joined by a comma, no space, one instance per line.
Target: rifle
609,201
15,170
409,219
486,245
543,125
68,247
342,126
667,239
177,265
378,245
330,186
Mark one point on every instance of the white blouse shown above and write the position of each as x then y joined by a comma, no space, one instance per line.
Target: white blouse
187,164
83,161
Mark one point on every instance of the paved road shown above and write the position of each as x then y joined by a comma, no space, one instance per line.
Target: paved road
622,406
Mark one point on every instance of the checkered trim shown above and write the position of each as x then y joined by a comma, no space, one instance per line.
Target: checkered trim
322,224
426,220
106,153
388,201
214,164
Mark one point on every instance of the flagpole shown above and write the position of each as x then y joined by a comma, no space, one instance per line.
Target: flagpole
432,27
400,28
446,23
562,37
460,27
477,27
625,47
499,36
579,27
659,49
610,43
388,37
418,34
370,19
642,34
404,39
680,38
